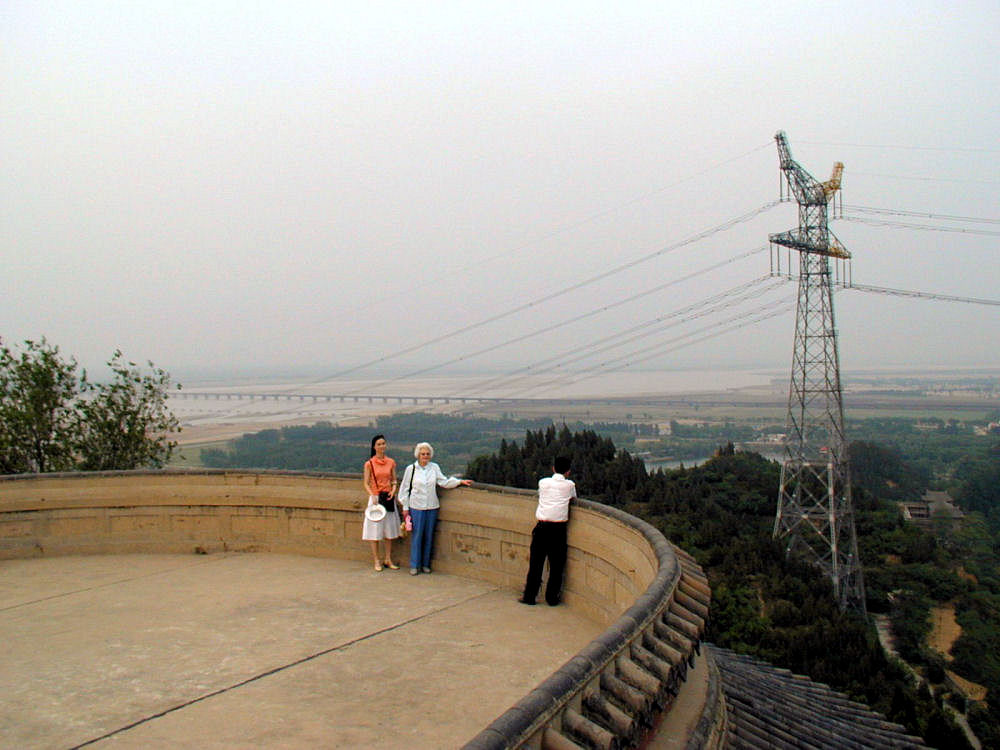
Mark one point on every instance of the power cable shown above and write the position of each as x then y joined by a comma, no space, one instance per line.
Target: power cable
922,227
920,214
609,211
396,288
732,324
849,285
684,315
560,324
554,295
925,179
906,148
919,295
720,301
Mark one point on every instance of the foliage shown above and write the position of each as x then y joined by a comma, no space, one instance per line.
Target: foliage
53,420
327,447
37,409
125,423
979,489
883,470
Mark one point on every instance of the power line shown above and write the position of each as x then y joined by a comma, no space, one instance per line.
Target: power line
907,148
555,326
919,295
609,211
722,300
849,285
732,324
678,317
554,295
917,178
921,227
398,286
920,214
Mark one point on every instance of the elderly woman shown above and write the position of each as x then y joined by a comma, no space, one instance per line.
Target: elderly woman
380,477
418,493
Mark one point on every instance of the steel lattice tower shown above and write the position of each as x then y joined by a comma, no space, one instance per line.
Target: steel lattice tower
815,514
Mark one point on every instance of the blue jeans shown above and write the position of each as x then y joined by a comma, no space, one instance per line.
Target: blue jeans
423,537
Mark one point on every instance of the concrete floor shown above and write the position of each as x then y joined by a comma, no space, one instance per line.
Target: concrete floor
247,650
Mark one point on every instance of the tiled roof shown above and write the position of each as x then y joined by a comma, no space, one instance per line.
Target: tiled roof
768,707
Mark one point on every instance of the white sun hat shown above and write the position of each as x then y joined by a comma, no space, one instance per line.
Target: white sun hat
375,512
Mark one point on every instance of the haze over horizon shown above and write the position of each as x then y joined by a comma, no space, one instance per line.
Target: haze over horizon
489,186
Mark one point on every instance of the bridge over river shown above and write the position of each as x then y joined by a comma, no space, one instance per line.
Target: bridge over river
407,398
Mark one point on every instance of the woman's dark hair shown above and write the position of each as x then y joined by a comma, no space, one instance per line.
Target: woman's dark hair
375,440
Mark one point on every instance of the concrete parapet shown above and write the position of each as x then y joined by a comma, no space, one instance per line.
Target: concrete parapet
651,597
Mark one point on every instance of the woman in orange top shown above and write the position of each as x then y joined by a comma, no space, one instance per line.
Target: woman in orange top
380,476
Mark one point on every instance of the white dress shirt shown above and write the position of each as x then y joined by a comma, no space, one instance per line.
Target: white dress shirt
554,496
426,480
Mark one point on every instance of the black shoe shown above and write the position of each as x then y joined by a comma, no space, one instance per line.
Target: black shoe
522,600
552,604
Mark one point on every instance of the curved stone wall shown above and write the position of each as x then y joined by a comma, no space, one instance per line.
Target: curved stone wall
622,573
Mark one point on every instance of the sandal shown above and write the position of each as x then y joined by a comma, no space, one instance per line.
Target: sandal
391,565
378,566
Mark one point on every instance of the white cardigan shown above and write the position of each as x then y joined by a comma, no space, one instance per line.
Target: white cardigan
426,480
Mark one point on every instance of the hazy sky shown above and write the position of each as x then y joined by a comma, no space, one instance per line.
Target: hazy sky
244,186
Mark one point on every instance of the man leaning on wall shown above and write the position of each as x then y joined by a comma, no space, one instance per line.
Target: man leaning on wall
548,538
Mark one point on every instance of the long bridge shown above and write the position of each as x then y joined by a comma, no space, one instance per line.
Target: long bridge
345,397
411,399
426,399
859,400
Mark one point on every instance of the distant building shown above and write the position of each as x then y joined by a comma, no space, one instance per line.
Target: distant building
933,505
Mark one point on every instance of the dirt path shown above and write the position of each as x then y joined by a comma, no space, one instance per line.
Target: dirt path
944,630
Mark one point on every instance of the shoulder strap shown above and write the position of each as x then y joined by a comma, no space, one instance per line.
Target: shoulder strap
413,470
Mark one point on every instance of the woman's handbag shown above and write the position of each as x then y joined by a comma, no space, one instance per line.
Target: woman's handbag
386,502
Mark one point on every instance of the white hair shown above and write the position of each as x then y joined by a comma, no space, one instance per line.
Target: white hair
428,446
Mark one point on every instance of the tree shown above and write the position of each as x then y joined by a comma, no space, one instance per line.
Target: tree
53,420
125,423
37,417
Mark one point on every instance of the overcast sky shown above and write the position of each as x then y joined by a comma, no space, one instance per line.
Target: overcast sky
242,186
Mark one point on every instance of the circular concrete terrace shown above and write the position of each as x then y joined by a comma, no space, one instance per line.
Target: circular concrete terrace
237,609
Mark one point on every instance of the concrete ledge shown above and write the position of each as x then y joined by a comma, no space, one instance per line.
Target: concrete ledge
652,598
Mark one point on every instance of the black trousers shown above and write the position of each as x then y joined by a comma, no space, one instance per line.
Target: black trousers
548,541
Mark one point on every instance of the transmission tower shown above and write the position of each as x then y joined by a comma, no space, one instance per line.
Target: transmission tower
814,501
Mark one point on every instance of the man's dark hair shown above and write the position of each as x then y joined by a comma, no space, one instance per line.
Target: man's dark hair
561,464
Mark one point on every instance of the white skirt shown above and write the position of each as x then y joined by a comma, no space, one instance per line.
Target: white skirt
387,528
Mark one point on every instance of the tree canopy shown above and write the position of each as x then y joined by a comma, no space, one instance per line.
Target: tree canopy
52,419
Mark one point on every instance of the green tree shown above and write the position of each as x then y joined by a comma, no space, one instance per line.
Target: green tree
37,417
125,423
53,420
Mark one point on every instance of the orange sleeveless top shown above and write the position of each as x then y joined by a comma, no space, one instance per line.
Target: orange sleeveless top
382,473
